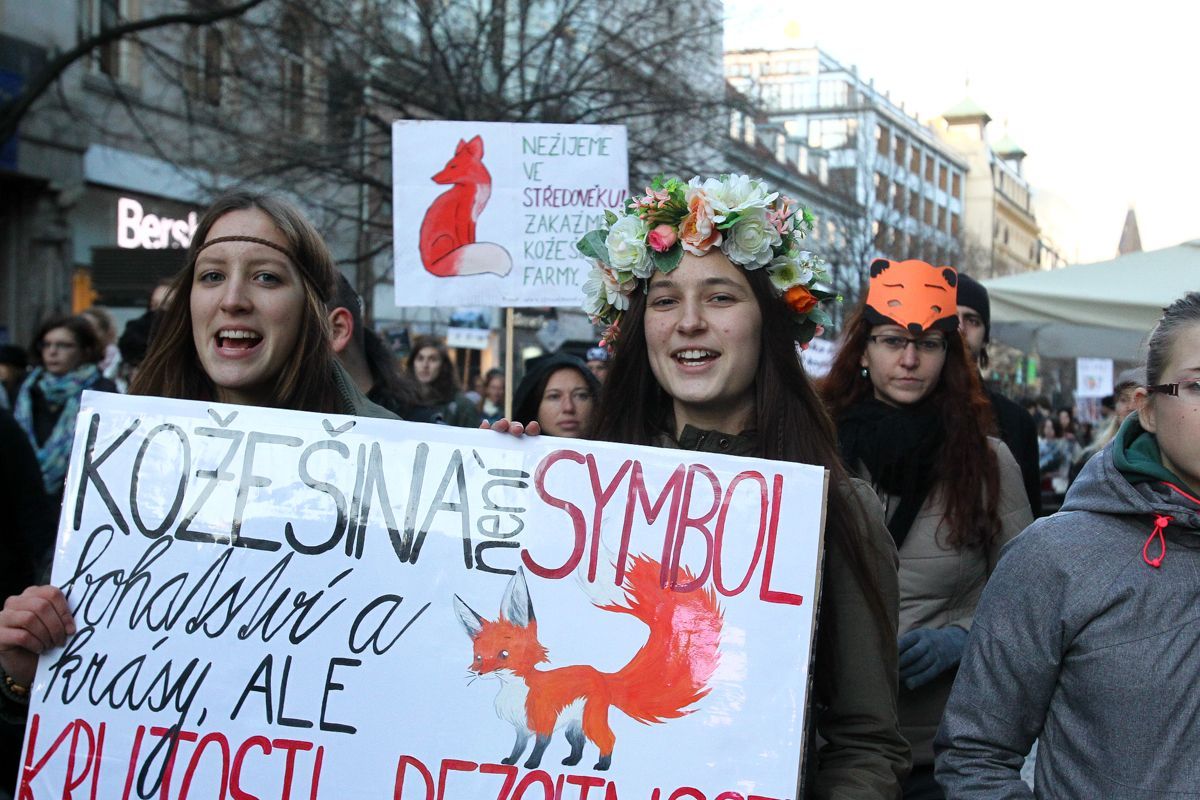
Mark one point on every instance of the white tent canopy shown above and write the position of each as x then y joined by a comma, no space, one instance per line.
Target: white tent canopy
1101,310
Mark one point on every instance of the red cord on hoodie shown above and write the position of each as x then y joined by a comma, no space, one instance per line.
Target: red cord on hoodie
1161,521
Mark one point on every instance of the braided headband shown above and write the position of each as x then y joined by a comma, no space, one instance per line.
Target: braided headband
323,292
253,239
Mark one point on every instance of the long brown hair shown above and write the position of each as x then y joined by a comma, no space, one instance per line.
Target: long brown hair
444,386
966,466
791,424
172,367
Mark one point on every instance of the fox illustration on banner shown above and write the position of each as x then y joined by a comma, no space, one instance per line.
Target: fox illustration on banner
447,242
667,675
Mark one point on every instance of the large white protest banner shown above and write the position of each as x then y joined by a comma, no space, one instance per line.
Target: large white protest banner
489,213
276,604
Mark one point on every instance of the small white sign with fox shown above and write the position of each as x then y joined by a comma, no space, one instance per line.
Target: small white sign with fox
489,213
274,604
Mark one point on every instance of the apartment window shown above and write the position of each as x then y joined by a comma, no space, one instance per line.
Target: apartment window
898,198
833,94
830,134
928,217
956,185
882,186
119,59
953,224
293,35
900,152
206,56
942,177
914,203
941,218
883,140
929,166
882,233
915,164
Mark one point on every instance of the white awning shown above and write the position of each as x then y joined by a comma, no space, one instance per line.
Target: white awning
1100,310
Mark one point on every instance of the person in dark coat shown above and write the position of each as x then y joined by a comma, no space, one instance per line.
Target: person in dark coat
24,551
1015,427
367,358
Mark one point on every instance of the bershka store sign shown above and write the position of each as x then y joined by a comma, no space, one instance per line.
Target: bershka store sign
138,228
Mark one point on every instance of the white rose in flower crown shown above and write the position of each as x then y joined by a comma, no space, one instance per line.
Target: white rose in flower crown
750,242
604,290
626,242
735,194
789,270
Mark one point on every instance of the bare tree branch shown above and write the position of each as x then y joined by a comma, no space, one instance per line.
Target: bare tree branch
14,110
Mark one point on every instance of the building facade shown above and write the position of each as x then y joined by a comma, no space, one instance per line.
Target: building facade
1002,232
906,185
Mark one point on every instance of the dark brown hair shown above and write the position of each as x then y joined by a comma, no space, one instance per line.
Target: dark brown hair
966,465
791,424
445,384
91,351
172,367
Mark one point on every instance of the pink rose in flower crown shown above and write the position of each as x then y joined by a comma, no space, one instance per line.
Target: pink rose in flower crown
662,238
698,233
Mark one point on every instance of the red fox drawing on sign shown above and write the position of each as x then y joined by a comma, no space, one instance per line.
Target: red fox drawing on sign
668,674
448,246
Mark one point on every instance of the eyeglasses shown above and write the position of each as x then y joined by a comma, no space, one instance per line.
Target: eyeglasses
897,344
1188,391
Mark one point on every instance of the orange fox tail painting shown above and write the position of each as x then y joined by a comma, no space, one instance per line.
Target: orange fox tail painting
667,675
448,246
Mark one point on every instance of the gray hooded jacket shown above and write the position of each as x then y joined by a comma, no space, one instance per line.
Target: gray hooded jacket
1087,639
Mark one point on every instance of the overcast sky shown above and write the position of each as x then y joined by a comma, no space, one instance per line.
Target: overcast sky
1104,97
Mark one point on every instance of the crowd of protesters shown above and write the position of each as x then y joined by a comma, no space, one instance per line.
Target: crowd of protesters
954,631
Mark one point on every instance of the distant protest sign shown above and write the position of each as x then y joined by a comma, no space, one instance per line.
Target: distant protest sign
489,213
276,604
1093,377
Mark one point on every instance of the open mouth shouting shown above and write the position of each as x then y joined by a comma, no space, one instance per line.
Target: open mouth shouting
695,357
237,341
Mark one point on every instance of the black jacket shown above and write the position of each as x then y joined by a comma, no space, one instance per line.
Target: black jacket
1017,430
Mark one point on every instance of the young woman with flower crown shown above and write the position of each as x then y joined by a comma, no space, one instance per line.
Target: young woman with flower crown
707,293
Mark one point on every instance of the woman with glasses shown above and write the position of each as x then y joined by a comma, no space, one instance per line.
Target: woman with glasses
913,420
1086,637
67,352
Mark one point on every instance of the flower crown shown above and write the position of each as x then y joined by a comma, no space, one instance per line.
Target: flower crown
753,227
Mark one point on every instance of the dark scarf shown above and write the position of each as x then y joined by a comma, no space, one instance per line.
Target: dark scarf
898,447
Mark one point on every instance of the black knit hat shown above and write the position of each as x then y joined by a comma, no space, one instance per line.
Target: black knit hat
972,295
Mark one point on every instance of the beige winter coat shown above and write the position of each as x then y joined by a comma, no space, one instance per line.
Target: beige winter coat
941,585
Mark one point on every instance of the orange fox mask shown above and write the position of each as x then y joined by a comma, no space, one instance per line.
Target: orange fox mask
914,295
